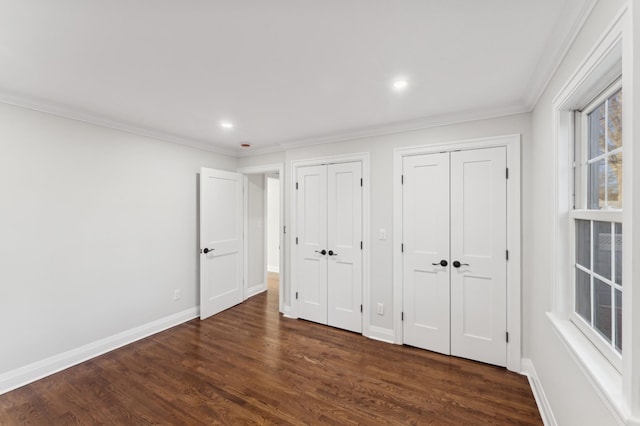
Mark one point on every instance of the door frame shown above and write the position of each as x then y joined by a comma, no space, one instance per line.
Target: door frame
514,285
363,158
254,170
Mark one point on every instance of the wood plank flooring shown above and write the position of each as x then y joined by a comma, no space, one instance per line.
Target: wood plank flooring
248,365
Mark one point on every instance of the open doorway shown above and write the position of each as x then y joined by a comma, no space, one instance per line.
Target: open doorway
273,232
263,237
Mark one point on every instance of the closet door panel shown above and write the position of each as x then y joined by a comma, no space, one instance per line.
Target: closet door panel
425,224
344,235
311,207
478,242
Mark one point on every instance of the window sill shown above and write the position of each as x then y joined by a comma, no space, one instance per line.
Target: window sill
604,378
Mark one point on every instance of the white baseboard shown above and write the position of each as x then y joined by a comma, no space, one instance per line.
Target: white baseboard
275,269
538,393
256,289
380,333
30,373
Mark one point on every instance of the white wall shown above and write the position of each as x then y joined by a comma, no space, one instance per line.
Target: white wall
273,223
381,157
256,230
572,398
98,227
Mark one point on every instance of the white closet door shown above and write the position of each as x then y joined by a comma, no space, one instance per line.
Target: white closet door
312,239
478,242
344,233
425,224
221,224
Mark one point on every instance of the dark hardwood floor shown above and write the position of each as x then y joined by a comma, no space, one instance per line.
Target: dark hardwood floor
249,365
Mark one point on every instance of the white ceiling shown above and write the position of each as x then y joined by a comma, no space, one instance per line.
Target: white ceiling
285,72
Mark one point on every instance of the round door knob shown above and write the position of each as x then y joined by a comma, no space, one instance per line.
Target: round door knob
441,263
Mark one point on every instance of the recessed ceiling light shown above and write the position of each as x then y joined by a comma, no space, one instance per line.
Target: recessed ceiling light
226,125
400,84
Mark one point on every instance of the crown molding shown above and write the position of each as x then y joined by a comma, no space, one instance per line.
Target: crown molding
399,127
74,114
372,131
549,64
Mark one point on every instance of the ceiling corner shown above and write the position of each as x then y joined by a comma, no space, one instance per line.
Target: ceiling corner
555,52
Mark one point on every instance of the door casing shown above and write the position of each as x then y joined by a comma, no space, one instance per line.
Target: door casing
514,319
363,158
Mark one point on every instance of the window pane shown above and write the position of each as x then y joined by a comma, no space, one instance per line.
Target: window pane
602,308
583,243
619,320
583,295
614,180
596,185
602,249
614,121
618,248
596,131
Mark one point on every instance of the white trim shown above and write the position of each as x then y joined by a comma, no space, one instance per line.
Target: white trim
382,334
363,158
601,374
255,290
99,120
30,373
610,57
544,72
282,284
399,127
514,319
265,233
245,237
538,393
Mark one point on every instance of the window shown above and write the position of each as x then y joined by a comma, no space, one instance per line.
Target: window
597,223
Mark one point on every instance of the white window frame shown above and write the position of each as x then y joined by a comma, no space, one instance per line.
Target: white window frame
614,53
581,211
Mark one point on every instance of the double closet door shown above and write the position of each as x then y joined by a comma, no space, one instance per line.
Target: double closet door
454,253
329,244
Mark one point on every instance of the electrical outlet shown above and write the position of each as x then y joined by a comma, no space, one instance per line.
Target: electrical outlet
382,234
380,310
176,294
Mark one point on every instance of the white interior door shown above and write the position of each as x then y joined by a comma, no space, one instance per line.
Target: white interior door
221,223
425,221
344,237
478,242
311,200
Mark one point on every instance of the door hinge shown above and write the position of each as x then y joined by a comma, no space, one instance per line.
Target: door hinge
360,245
284,229
360,308
402,248
296,295
507,254
401,179
507,336
507,173
360,181
296,240
401,316
296,185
